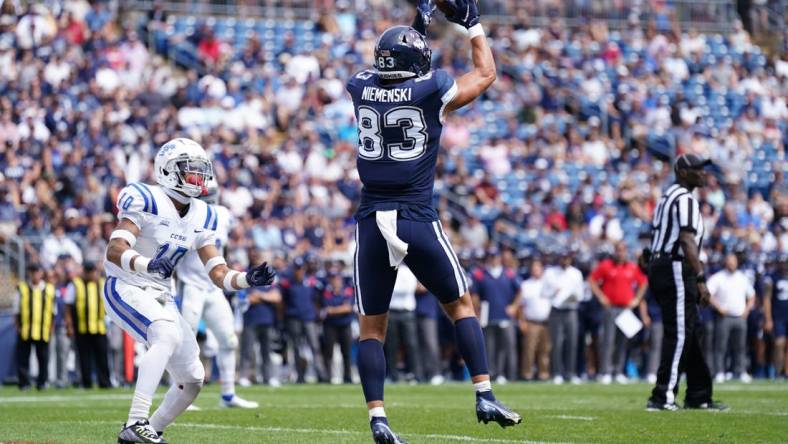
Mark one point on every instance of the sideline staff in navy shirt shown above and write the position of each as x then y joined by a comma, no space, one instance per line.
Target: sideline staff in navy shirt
336,305
300,293
259,322
498,289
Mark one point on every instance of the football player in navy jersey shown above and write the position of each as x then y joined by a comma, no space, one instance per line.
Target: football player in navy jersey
400,107
776,314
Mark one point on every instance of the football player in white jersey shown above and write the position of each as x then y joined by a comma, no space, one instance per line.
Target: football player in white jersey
200,298
158,225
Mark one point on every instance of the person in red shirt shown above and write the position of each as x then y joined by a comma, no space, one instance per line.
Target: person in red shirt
619,285
209,48
73,29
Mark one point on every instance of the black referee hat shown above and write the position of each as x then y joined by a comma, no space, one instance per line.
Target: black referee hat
690,161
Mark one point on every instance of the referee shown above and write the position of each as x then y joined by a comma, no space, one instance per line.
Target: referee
676,278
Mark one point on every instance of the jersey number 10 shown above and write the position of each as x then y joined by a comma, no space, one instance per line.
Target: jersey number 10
176,255
410,146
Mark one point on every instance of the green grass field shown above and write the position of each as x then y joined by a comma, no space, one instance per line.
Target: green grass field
317,414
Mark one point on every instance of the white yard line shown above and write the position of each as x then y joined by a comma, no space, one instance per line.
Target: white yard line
301,430
578,418
70,398
776,387
734,411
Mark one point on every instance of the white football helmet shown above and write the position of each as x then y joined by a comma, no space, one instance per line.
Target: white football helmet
182,165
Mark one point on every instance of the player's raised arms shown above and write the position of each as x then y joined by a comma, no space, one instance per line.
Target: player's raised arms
473,83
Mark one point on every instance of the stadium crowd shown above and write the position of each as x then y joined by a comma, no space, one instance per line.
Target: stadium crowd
543,186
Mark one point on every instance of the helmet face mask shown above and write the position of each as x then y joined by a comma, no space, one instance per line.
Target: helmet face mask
402,52
211,193
182,165
193,175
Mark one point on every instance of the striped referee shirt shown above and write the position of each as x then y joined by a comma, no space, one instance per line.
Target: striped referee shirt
677,211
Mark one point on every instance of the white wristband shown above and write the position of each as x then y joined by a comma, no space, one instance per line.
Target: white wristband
141,264
475,31
240,283
213,262
126,235
140,261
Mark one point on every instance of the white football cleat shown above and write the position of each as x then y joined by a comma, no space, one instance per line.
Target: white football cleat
558,380
720,378
193,408
244,382
605,379
274,383
745,378
238,402
621,379
575,380
651,378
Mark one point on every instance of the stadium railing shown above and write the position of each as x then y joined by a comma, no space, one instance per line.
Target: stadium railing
301,9
703,15
12,253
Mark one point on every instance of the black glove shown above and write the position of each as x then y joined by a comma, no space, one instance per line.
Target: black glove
260,275
162,266
423,16
462,12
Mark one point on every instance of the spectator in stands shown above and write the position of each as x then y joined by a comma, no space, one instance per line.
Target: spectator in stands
619,285
474,233
534,316
336,304
58,245
401,338
496,291
605,225
259,322
85,317
209,48
34,309
98,16
299,295
732,297
563,286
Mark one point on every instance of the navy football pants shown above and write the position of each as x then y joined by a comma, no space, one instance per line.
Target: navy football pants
430,258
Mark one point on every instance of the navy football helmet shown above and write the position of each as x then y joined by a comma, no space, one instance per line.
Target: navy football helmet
402,52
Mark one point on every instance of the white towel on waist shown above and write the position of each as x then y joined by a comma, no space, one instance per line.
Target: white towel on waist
387,224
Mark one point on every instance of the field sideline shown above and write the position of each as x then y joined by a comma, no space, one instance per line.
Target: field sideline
316,414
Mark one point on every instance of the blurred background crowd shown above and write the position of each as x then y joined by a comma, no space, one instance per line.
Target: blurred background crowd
557,167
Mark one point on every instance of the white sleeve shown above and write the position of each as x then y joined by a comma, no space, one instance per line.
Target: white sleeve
750,290
134,204
579,290
207,237
76,253
524,293
713,283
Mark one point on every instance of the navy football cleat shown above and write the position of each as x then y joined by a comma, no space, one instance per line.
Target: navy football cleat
382,433
487,411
